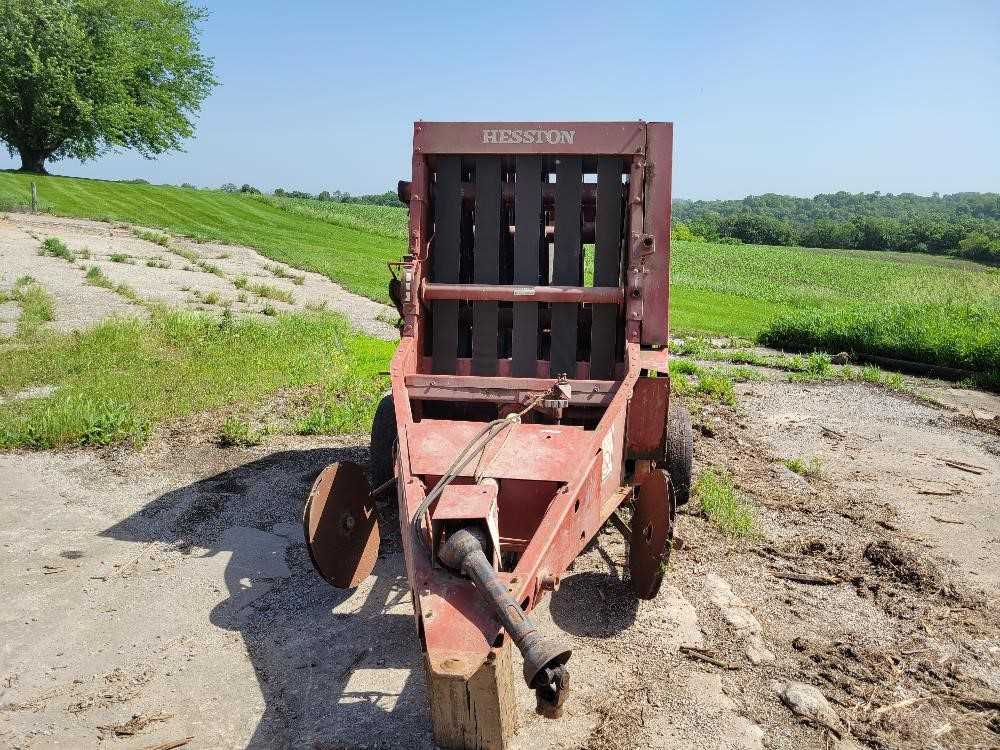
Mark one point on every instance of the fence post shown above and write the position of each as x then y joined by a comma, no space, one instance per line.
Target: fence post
34,198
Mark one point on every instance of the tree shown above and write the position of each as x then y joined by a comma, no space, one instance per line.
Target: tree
757,229
681,231
79,78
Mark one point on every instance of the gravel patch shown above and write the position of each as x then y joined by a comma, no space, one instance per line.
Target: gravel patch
185,274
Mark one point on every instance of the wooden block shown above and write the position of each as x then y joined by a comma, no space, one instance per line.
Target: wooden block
480,714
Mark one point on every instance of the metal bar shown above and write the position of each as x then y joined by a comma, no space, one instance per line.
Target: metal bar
619,524
602,295
566,267
656,222
505,390
486,264
445,261
528,220
607,265
554,138
633,266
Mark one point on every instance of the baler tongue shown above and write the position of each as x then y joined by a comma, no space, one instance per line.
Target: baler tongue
341,525
544,659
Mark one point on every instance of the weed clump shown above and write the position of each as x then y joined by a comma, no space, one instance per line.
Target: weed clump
719,501
37,306
75,420
157,238
281,273
265,291
239,433
56,248
811,468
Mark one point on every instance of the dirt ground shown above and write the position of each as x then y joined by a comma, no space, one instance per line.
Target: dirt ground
182,284
166,594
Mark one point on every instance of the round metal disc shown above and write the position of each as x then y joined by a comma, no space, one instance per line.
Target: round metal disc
341,526
652,532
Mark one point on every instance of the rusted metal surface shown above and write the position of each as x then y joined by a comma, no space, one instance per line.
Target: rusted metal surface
651,532
508,293
647,418
530,451
505,390
340,524
625,138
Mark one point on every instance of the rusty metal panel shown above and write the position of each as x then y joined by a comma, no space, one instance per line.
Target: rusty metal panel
656,285
486,264
566,263
445,261
647,418
528,451
505,390
607,265
527,231
529,137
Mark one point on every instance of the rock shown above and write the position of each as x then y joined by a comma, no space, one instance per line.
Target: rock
737,613
808,702
734,609
756,651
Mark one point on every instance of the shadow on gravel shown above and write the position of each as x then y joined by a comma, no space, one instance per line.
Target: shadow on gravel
336,668
594,605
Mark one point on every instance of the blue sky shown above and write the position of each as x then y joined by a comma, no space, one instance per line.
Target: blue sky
789,97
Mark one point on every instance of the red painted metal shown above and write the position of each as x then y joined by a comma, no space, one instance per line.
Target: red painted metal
507,293
340,525
608,138
646,416
556,483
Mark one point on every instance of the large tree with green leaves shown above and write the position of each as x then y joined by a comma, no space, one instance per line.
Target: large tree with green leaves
79,78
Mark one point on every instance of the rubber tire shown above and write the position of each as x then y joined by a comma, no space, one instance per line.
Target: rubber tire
679,450
381,454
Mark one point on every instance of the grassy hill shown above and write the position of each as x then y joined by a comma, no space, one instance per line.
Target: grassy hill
352,257
806,297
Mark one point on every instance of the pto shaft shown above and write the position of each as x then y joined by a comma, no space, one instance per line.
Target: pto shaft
543,658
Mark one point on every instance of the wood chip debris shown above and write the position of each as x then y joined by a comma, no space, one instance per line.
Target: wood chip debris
963,466
134,725
169,745
831,432
939,519
702,654
905,703
809,578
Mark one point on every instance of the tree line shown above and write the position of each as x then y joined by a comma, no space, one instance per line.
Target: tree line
964,224
388,198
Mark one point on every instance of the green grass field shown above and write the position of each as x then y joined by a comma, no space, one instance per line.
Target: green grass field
113,383
742,290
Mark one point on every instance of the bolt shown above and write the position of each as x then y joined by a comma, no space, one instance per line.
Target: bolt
549,583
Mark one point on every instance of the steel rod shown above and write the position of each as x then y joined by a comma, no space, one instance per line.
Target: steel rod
598,295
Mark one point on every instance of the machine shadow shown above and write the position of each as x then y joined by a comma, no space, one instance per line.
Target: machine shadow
335,668
594,604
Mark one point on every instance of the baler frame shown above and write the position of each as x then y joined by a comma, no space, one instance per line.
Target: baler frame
490,333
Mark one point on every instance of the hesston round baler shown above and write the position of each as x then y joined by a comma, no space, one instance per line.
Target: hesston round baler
530,396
